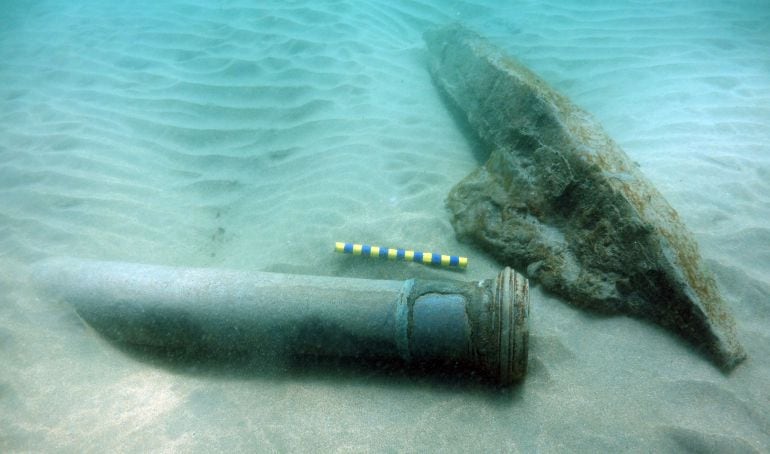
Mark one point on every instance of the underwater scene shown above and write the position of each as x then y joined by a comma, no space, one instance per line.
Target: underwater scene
385,226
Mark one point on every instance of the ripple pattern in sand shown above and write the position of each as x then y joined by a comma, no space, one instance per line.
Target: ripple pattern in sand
254,134
157,130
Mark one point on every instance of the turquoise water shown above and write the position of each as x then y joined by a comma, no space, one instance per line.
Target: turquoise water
255,135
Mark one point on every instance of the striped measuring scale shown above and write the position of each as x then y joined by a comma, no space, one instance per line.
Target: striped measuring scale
430,258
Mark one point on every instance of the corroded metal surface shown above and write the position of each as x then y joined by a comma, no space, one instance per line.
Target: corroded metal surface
560,200
481,325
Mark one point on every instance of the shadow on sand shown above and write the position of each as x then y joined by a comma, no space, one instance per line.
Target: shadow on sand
240,365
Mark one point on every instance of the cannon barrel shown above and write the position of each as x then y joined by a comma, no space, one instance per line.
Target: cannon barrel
482,325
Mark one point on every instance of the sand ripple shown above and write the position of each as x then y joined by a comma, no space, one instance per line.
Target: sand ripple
255,134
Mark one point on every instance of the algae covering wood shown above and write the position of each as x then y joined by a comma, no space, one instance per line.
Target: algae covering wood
561,201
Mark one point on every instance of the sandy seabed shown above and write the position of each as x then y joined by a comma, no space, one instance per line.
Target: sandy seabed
252,135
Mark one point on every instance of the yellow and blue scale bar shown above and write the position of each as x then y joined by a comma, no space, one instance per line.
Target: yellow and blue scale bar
430,258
